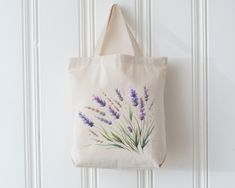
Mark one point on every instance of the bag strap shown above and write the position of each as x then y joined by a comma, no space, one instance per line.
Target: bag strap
117,37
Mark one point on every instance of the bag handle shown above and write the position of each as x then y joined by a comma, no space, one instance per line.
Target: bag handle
117,37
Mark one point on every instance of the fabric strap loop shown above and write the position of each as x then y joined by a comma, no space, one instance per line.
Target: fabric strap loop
117,37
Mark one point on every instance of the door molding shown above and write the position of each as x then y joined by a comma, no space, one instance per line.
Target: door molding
200,93
31,96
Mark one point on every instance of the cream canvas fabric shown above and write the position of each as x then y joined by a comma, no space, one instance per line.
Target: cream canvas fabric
118,103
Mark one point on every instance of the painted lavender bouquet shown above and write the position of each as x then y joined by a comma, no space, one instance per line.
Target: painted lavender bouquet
123,121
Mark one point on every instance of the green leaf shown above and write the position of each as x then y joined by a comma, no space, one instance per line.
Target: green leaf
128,141
136,139
116,137
130,113
144,143
127,134
150,130
105,136
145,140
117,145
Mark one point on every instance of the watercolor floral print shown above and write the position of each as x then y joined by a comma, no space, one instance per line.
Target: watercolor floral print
123,120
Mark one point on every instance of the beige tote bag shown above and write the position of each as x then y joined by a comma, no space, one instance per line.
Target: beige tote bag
118,103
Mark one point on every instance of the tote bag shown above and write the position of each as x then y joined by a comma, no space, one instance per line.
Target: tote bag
118,102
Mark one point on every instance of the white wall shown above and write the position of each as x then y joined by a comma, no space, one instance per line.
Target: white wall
38,37
221,87
11,96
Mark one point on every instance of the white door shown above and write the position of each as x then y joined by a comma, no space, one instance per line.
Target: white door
37,38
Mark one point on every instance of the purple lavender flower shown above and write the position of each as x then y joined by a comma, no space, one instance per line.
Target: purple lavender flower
92,132
114,113
130,129
146,95
119,105
102,113
142,111
119,94
104,120
96,110
134,97
100,101
86,120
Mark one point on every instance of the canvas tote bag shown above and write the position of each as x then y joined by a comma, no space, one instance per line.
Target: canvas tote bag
118,102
